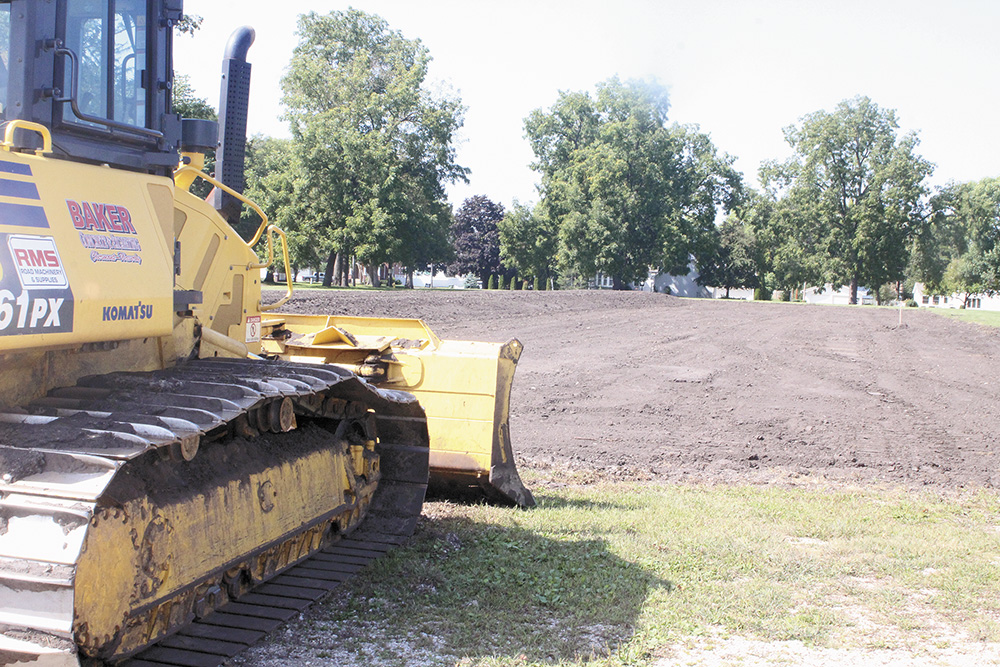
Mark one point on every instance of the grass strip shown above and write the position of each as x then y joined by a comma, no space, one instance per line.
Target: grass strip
617,574
990,318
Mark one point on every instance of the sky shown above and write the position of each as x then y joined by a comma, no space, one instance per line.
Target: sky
742,70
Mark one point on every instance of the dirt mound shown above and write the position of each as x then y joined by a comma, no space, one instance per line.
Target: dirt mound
645,385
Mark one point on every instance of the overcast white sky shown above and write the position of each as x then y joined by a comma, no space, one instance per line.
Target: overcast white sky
742,70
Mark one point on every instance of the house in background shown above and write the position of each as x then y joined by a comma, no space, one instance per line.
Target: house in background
839,296
926,299
685,285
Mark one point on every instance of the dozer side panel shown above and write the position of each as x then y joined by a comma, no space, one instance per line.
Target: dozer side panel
216,262
83,254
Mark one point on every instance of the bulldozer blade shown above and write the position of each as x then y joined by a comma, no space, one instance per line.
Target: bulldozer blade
472,447
464,388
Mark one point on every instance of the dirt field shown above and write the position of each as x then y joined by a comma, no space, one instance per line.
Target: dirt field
647,386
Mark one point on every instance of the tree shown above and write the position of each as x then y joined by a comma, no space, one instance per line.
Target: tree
187,103
785,258
376,147
855,193
626,191
476,239
528,242
274,180
733,262
958,248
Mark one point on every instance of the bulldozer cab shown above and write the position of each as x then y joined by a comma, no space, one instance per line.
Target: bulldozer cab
97,73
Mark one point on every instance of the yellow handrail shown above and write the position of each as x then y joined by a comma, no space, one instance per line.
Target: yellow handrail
272,229
187,169
264,226
19,124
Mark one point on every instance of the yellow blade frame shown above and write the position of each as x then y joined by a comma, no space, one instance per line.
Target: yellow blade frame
463,386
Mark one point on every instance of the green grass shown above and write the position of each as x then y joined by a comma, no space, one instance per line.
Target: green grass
612,574
990,318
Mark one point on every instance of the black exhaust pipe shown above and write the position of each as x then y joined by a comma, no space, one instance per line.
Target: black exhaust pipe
230,156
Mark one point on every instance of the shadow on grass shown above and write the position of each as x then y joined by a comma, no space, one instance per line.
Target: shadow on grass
474,496
487,591
558,502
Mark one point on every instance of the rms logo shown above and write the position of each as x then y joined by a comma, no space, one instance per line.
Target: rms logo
37,257
37,262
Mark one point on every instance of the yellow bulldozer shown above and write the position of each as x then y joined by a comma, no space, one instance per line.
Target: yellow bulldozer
168,441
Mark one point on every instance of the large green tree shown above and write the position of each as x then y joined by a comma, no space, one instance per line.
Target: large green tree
958,249
376,147
528,242
275,181
732,263
855,193
626,191
786,257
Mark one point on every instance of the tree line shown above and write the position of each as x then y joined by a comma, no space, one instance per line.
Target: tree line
852,207
622,190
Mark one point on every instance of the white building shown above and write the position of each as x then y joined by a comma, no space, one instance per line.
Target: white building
925,299
687,286
424,279
839,296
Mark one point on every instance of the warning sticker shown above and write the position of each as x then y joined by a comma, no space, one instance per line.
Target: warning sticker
253,329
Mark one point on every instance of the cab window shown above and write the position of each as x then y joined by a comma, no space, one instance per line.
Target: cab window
109,39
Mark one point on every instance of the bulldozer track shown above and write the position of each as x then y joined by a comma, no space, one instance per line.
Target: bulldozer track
241,624
97,428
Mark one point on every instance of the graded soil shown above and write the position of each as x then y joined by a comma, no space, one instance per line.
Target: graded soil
651,387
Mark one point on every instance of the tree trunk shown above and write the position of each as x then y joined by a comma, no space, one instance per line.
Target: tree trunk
727,292
854,290
409,279
617,284
331,261
373,274
334,275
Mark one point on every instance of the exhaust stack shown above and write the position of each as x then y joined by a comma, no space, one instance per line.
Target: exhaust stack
234,100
